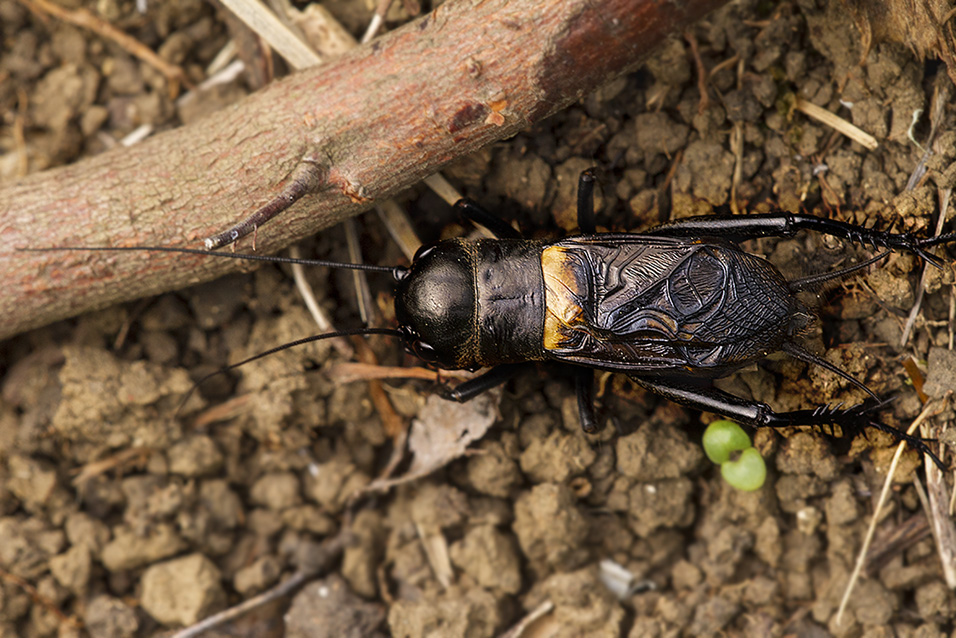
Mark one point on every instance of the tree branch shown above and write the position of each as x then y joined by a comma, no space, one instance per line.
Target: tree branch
337,137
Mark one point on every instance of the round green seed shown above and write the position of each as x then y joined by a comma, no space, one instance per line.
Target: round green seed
722,439
747,472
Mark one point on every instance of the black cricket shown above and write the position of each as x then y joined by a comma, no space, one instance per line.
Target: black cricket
672,308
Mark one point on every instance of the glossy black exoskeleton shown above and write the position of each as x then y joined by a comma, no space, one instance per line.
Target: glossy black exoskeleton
672,308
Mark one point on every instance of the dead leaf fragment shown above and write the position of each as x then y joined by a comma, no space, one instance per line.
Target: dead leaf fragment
442,433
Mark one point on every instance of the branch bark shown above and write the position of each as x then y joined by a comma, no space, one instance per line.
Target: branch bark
359,129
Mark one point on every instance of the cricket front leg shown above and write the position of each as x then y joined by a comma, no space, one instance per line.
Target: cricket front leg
468,390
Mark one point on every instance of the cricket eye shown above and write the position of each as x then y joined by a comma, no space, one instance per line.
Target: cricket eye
423,351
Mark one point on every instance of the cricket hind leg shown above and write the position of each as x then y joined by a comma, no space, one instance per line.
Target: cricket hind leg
784,224
760,415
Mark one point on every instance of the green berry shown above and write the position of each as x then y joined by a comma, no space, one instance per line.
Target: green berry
722,439
747,472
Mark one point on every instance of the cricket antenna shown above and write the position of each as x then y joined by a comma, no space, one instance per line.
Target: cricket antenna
285,346
397,272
